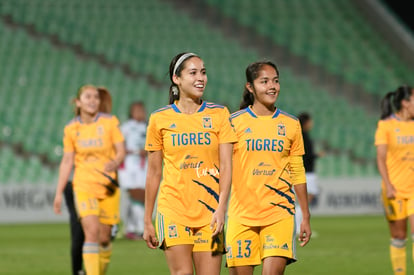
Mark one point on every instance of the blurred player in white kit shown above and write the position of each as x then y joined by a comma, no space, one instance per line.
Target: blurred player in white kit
132,173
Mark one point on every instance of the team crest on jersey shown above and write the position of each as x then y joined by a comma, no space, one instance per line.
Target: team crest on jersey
172,231
100,130
207,123
281,130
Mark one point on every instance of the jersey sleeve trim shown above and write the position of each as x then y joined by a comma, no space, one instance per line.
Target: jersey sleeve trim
288,115
238,113
168,107
73,121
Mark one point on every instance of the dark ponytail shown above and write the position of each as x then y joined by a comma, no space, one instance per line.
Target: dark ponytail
106,100
392,101
386,105
172,94
252,72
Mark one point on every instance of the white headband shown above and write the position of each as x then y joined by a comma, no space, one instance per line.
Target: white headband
181,60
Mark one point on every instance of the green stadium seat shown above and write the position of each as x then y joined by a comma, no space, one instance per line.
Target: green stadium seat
145,40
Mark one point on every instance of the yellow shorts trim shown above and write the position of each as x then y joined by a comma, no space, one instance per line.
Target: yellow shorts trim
171,233
107,209
249,245
398,208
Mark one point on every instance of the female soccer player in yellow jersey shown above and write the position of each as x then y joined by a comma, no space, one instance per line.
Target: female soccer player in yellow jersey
267,166
394,139
189,143
94,145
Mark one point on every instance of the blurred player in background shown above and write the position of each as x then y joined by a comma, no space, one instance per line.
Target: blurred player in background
309,159
394,139
94,146
132,173
267,165
189,142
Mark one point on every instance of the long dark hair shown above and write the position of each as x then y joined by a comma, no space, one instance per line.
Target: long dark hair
304,117
173,92
252,72
391,102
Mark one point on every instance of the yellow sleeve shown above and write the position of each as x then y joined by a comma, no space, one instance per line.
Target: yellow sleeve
381,133
297,149
227,133
117,135
154,137
68,145
297,170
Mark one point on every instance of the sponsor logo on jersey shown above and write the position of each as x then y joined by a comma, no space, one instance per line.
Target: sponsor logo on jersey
206,171
194,165
248,131
263,172
191,157
173,126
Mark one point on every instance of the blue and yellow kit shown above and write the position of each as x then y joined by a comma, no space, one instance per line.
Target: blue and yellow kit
190,145
261,183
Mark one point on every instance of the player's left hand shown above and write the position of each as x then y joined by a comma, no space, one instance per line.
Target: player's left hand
305,233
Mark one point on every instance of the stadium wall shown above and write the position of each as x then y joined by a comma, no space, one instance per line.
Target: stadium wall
346,196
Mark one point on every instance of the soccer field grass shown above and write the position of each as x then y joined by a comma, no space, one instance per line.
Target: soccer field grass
343,245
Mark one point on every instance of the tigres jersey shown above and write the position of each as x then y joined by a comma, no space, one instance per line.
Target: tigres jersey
398,135
93,145
261,184
189,189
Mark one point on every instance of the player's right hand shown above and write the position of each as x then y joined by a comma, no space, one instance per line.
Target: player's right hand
390,191
57,204
149,236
